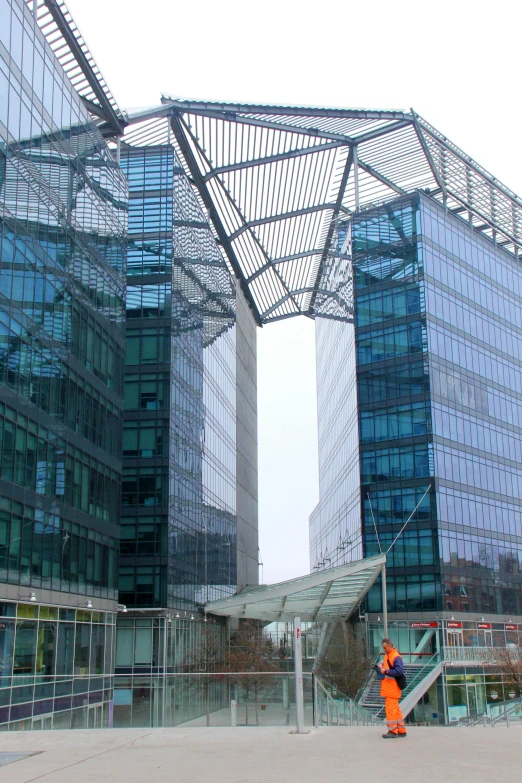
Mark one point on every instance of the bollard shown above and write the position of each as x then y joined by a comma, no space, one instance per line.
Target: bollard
286,701
507,719
485,720
233,713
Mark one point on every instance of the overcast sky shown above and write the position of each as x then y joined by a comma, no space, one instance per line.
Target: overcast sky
456,63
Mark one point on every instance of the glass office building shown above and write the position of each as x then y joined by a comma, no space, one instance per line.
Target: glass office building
62,240
419,419
189,491
437,338
179,444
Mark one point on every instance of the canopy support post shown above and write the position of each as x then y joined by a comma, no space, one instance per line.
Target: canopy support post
298,669
384,602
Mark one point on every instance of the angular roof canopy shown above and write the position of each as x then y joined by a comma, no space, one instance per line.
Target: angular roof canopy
328,596
275,181
69,47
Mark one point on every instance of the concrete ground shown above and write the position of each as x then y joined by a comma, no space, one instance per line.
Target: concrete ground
257,755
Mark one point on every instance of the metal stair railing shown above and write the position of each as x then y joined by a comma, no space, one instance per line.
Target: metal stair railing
419,675
422,673
342,711
512,711
363,691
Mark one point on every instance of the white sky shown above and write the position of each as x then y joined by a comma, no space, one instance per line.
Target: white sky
457,63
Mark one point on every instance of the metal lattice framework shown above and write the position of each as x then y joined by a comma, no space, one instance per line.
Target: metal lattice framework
276,180
71,51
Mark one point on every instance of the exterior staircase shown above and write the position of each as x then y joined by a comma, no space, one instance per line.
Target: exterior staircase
419,676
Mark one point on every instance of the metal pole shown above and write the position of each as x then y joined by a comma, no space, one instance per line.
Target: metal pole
298,669
118,150
384,602
233,713
314,697
164,678
355,165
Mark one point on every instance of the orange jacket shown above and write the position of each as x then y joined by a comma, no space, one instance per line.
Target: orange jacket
389,687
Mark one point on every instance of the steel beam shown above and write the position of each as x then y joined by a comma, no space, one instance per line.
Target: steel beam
385,181
193,167
247,164
337,209
105,105
282,216
293,111
282,260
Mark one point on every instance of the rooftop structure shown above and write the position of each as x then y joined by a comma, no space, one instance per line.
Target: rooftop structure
274,180
72,52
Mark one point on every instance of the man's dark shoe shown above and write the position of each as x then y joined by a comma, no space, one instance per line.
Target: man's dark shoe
403,735
390,735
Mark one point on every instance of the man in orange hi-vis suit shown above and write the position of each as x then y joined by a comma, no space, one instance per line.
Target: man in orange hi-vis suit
392,667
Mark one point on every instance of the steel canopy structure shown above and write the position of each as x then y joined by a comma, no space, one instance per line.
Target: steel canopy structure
275,181
328,596
73,54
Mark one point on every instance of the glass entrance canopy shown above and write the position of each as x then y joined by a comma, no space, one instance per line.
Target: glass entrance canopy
329,596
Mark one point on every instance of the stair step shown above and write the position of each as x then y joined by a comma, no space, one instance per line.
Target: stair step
371,698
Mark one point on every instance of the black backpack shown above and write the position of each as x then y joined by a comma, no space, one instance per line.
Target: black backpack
401,681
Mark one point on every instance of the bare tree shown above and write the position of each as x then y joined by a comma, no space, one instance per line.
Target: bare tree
509,661
345,664
249,655
206,659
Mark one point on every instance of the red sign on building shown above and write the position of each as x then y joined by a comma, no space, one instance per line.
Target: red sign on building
484,626
511,627
454,624
424,625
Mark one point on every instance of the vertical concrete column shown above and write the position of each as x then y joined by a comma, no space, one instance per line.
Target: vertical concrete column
298,669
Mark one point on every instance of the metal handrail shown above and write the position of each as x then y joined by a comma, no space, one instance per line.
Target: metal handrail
509,710
419,675
483,655
344,707
360,693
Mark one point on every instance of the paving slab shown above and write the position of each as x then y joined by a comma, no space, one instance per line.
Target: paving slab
257,755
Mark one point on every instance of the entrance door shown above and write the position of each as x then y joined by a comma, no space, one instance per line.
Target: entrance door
472,701
455,637
476,701
95,717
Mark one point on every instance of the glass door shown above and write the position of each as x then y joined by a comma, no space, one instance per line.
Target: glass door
476,700
455,637
472,701
95,717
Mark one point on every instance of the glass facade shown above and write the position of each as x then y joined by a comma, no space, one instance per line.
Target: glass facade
62,243
178,546
55,667
473,296
436,358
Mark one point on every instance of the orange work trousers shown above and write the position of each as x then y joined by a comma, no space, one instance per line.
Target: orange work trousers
394,719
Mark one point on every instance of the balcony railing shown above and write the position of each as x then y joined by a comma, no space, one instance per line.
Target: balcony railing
480,656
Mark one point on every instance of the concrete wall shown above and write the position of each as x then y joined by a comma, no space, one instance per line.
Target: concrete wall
246,435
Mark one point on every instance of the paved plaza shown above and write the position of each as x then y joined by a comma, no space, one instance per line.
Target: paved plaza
257,755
